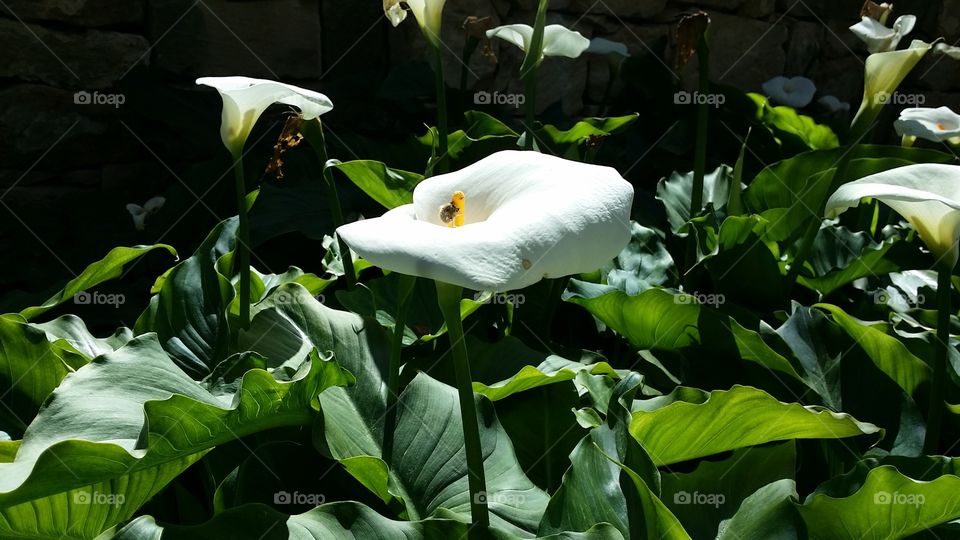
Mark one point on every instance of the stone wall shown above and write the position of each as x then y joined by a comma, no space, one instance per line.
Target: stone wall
69,166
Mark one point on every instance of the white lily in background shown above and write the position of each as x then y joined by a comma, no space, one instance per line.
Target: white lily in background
245,99
526,216
141,213
949,50
607,47
878,37
557,39
926,195
884,73
935,125
428,13
796,92
833,104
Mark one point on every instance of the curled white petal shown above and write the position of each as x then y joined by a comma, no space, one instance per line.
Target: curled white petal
605,47
796,92
428,14
528,216
926,195
557,39
878,37
245,99
937,125
949,50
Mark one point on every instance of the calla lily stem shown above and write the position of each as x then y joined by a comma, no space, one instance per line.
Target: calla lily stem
241,263
939,381
404,293
530,98
313,132
442,129
448,297
703,112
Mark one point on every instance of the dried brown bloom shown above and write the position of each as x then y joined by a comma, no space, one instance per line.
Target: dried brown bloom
690,31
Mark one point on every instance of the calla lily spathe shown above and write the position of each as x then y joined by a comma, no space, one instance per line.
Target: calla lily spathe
245,99
428,13
948,50
527,216
557,39
936,125
926,195
878,37
796,92
884,73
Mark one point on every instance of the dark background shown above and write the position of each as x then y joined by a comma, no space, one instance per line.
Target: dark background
67,170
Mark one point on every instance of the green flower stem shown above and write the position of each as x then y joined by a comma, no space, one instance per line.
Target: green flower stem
703,116
405,289
530,98
442,129
313,131
939,381
241,264
448,296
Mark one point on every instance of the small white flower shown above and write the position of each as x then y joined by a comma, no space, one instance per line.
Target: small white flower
796,92
927,195
878,37
606,47
428,14
833,104
557,40
525,216
245,99
141,213
934,125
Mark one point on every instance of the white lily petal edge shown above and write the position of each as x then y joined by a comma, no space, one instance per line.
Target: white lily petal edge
245,99
936,125
796,92
878,37
428,13
926,195
604,46
528,216
557,39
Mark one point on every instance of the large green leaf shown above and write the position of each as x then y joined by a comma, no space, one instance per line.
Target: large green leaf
887,505
785,122
30,369
675,193
886,351
107,268
189,314
768,514
430,464
389,187
71,335
690,423
643,263
120,428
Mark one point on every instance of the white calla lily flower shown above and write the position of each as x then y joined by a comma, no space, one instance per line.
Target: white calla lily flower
525,216
936,125
141,213
428,13
606,47
557,39
926,195
796,92
878,37
884,73
949,50
833,104
245,99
